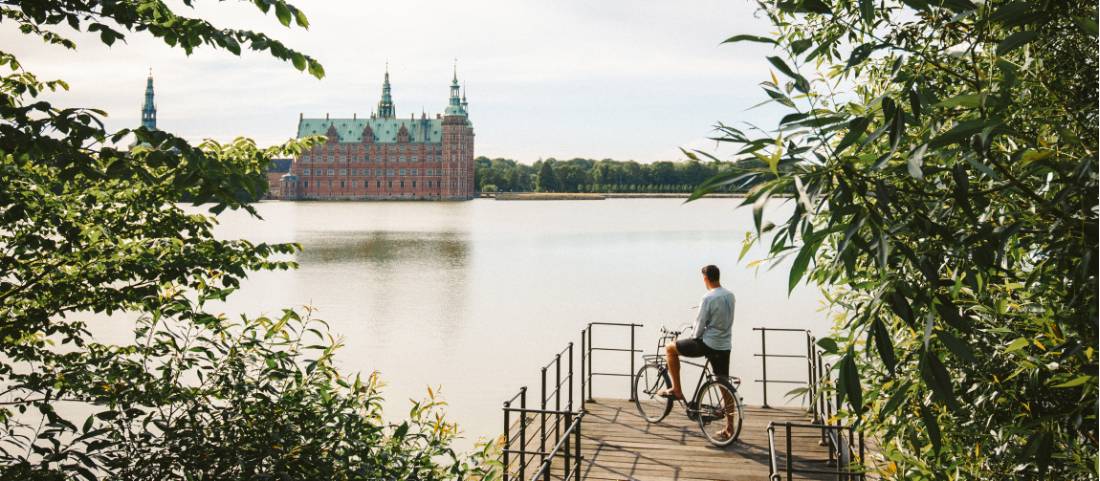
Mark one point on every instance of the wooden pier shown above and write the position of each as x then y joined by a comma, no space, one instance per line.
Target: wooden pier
550,434
618,444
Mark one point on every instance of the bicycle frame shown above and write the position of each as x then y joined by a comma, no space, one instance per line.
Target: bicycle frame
704,375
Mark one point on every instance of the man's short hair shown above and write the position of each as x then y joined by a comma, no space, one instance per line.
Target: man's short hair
712,273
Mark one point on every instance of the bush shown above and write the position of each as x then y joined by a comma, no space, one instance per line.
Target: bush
941,159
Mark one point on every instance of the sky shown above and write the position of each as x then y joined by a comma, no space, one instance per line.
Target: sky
627,80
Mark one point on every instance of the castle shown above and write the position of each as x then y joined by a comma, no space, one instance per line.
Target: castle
386,157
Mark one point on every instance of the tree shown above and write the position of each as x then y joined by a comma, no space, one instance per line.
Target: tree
547,179
93,228
941,162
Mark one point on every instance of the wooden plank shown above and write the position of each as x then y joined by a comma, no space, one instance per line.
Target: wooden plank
618,444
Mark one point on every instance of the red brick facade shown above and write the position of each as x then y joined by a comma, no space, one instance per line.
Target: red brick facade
402,170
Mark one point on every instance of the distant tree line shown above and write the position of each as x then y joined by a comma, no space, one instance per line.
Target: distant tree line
589,175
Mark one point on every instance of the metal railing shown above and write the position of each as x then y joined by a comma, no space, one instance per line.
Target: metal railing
587,347
763,355
845,444
846,456
552,420
552,430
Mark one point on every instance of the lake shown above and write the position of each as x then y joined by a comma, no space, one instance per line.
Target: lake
476,296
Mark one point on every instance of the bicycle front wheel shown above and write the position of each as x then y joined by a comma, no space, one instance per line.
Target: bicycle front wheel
650,380
719,412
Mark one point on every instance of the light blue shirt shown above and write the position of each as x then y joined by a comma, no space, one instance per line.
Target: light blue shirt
715,321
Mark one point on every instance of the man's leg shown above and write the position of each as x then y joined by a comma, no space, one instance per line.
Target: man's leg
673,358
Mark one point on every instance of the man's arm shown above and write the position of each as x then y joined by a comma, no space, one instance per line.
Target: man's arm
702,319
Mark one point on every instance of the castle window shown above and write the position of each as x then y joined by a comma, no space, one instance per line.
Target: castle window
377,172
378,184
389,183
414,184
414,158
428,172
401,158
343,172
305,184
389,172
305,171
401,172
413,172
402,184
330,173
341,184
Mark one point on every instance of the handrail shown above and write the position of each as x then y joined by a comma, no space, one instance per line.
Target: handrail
587,347
845,452
763,355
567,471
773,470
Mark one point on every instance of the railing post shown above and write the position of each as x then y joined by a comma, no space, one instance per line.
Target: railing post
862,464
523,433
583,355
810,370
790,456
542,419
764,364
577,446
568,455
557,398
629,384
590,363
570,405
507,440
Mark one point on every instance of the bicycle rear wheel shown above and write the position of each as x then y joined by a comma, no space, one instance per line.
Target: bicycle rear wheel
719,412
650,380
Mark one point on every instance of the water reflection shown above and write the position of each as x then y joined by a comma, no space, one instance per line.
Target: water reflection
435,249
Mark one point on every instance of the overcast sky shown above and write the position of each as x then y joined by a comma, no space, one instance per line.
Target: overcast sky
597,79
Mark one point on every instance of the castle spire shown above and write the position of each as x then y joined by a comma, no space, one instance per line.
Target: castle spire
149,108
454,106
385,106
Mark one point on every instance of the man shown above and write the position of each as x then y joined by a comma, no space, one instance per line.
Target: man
710,337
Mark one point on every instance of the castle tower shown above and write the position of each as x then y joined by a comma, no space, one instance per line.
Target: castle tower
385,106
458,144
149,108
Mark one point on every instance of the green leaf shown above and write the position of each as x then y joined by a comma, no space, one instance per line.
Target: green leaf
782,66
1077,381
914,162
932,426
856,128
867,11
1087,25
829,345
1016,40
749,38
801,262
968,100
884,345
283,13
956,346
1016,345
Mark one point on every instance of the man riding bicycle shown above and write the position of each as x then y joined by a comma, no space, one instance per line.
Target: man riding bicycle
710,338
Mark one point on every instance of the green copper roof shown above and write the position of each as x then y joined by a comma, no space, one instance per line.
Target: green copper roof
385,130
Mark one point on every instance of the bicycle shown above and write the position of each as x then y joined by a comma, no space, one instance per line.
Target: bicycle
715,397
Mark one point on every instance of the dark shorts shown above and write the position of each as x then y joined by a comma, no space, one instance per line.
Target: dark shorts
719,360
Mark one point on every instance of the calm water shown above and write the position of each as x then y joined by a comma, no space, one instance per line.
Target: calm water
476,296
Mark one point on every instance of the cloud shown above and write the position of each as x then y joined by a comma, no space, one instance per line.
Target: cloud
601,79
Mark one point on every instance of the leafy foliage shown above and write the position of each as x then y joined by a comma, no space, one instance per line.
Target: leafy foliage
941,157
91,229
588,175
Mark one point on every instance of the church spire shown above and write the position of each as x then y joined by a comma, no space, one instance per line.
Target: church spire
385,106
454,106
149,108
